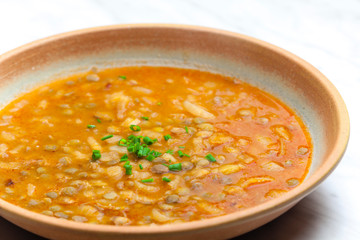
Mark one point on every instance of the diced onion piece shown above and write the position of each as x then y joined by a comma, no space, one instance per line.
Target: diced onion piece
256,180
30,189
272,166
199,172
210,208
10,165
220,138
146,188
144,200
293,182
119,149
282,132
109,156
3,148
159,217
230,168
116,172
197,110
142,90
94,144
275,193
130,121
302,150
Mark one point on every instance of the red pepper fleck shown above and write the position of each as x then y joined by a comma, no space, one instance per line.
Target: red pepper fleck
108,86
9,182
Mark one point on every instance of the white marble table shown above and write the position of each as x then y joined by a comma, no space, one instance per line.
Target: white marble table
324,33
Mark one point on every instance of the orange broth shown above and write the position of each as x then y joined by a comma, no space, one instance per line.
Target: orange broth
239,146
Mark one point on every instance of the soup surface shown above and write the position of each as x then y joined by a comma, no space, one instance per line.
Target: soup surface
148,145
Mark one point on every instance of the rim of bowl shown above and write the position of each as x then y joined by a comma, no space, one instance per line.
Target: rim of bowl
296,194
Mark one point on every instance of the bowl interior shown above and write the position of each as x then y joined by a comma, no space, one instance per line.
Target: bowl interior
276,71
186,48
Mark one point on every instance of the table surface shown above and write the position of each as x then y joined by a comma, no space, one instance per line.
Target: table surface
324,33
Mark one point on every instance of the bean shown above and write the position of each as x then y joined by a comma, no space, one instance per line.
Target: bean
52,195
61,215
40,170
79,219
187,165
55,208
196,186
48,213
50,148
71,170
202,163
110,195
33,202
69,191
159,168
120,220
172,198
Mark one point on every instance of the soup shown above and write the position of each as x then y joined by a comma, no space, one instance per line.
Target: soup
148,145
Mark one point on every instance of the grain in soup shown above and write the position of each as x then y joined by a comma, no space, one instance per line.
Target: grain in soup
148,145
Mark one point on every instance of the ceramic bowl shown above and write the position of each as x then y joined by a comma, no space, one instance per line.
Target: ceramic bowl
268,67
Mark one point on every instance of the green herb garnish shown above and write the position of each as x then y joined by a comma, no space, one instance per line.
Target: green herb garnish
91,126
181,154
150,158
147,180
175,167
170,151
128,168
96,155
165,179
167,137
145,118
141,167
124,158
122,77
135,128
210,158
122,142
106,137
98,120
186,129
148,140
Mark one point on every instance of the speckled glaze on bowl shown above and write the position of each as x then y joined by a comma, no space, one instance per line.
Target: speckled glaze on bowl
275,70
